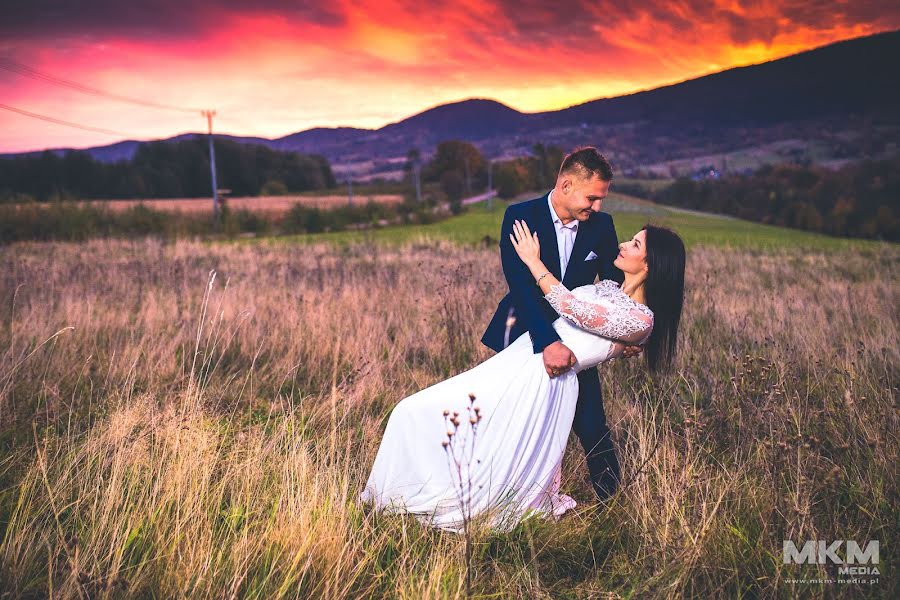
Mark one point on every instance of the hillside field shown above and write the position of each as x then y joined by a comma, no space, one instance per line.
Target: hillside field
629,215
195,418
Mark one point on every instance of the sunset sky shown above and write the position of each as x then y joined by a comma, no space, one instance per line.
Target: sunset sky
273,67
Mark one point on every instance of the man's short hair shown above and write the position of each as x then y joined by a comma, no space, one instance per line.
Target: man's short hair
587,162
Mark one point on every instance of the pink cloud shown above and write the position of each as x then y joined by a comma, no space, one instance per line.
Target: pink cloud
271,68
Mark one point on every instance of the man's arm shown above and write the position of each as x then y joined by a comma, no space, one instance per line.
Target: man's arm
525,295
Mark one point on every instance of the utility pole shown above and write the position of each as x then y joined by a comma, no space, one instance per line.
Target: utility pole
414,164
417,172
349,191
209,114
490,189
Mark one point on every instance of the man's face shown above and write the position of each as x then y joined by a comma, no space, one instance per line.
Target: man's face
583,196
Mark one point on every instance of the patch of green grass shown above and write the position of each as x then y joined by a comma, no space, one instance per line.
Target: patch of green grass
716,230
480,225
652,185
361,190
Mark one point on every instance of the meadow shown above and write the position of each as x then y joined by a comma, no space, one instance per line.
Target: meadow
271,205
194,419
480,225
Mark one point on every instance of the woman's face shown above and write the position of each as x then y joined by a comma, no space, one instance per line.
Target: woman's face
632,257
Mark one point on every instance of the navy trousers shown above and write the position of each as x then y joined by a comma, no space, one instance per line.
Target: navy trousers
591,428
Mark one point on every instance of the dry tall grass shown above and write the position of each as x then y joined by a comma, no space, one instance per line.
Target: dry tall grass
176,434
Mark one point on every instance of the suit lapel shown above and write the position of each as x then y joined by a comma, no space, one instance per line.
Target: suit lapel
547,236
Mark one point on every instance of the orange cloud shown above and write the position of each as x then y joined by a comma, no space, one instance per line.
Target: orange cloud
272,68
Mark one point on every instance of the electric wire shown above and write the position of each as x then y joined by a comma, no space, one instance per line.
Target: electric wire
26,71
62,122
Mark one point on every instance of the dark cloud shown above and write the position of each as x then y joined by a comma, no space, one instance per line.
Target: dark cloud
588,24
538,18
822,13
743,30
747,22
145,18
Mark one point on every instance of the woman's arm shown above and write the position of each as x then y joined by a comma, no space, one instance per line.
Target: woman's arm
614,321
623,323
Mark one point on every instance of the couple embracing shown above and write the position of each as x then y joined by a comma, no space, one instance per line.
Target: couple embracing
488,443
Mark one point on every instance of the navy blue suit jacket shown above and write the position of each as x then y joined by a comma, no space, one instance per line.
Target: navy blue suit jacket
531,311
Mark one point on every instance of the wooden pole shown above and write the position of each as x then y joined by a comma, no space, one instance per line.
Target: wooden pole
209,114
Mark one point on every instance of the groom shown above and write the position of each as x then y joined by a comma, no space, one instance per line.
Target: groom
578,243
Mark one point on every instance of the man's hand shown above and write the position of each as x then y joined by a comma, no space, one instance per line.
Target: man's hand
558,359
632,351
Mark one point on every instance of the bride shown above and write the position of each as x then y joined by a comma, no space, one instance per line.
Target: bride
489,442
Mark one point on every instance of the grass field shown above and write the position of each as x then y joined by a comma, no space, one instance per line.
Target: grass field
168,433
481,225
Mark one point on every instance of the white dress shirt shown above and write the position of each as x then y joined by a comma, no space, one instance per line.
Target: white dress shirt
565,237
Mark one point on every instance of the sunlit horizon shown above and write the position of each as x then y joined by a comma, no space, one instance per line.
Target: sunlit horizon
273,70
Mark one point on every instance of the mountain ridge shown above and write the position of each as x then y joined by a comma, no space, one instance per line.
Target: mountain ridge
844,80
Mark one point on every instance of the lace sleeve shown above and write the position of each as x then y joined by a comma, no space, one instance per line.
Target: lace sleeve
618,318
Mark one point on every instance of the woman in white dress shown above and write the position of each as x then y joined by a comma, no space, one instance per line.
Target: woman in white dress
488,443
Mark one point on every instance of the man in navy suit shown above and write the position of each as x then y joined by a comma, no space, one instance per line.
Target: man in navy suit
578,243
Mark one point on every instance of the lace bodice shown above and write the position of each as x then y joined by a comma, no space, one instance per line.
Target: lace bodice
603,309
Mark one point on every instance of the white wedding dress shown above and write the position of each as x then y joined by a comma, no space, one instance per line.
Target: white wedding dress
510,468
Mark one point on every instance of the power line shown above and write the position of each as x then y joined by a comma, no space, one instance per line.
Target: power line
61,122
209,114
26,71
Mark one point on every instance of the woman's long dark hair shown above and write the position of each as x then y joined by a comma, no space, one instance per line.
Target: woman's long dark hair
664,292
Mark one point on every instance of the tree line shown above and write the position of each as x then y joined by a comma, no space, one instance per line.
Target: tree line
858,200
163,170
461,170
181,170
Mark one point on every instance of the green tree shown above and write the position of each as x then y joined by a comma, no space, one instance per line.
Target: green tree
453,184
462,158
549,160
512,177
